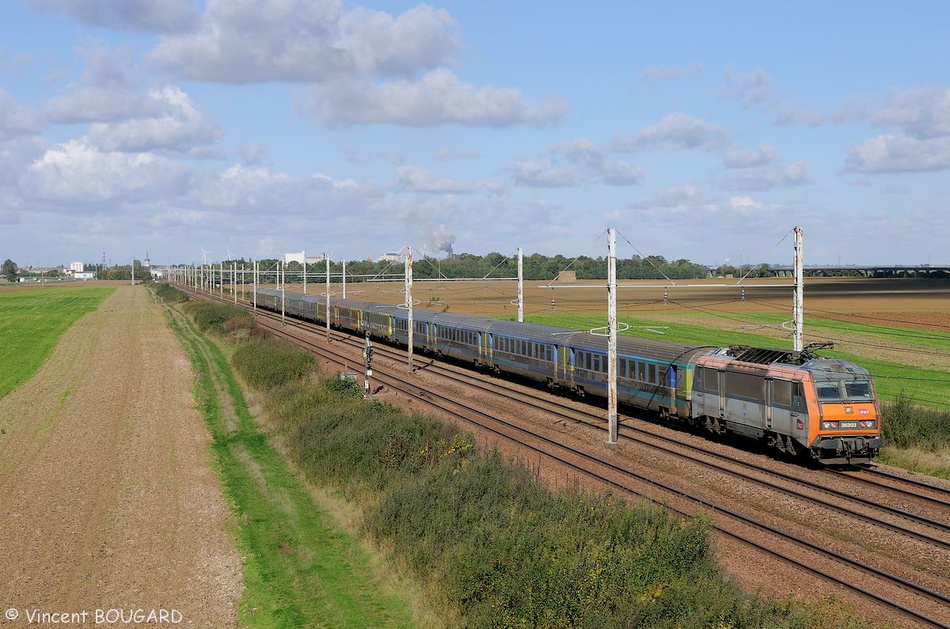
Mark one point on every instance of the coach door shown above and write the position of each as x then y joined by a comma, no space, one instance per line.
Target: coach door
722,393
799,415
565,370
768,403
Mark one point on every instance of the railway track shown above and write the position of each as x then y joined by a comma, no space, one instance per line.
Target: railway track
904,593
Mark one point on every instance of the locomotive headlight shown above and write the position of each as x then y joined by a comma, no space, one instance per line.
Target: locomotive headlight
829,425
868,425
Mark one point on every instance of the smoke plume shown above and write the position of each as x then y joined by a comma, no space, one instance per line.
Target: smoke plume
443,237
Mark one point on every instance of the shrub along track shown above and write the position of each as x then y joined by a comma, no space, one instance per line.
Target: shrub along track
858,575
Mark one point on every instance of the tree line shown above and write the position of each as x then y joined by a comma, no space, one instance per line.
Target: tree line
492,265
11,272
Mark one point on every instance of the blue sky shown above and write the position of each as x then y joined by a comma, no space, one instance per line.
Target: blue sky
699,130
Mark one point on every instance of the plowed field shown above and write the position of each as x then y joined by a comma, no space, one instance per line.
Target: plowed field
108,500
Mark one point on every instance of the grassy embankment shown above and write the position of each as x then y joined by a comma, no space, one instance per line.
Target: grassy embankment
493,547
31,322
299,569
916,412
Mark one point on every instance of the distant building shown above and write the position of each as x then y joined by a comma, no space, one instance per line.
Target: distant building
320,257
388,257
84,275
77,267
294,257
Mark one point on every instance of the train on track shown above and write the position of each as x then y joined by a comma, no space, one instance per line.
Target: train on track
796,402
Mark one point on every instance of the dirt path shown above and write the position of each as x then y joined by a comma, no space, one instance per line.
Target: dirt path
108,500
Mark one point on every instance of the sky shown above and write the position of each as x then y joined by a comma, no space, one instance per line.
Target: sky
208,129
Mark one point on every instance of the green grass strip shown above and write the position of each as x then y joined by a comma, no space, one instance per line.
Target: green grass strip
299,571
31,324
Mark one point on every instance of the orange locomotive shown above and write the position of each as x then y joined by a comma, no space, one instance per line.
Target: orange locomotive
802,404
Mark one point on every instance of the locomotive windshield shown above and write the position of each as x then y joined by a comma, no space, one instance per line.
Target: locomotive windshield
844,390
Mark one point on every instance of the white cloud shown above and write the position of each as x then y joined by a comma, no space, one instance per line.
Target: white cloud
734,157
619,173
795,174
243,41
747,205
674,131
922,113
179,126
899,152
920,144
125,116
675,197
261,191
17,154
363,66
149,15
415,179
16,120
754,88
78,172
109,89
700,214
252,153
545,173
437,98
592,160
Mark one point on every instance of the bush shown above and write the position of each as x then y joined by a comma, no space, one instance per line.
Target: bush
905,425
219,318
267,363
168,294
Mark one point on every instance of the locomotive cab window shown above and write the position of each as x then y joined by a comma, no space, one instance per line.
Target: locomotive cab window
858,389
